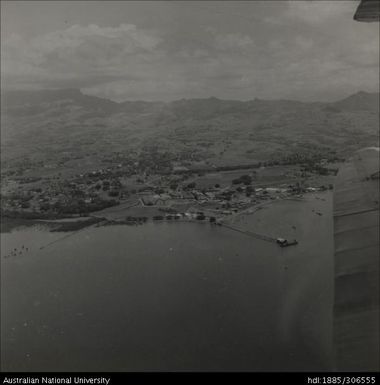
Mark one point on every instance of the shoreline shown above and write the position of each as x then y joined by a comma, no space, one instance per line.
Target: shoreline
9,224
69,224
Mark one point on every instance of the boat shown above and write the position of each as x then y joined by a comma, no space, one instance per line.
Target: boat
284,242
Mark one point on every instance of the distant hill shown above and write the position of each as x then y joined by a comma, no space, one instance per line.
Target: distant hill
34,102
201,107
359,101
223,131
29,97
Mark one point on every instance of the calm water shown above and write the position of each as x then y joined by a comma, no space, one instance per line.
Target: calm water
169,296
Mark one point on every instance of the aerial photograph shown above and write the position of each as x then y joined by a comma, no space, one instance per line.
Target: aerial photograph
189,186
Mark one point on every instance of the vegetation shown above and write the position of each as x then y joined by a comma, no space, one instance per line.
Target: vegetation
245,179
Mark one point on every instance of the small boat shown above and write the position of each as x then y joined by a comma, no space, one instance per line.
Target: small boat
284,242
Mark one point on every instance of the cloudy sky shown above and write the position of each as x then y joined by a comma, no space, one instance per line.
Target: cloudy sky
304,50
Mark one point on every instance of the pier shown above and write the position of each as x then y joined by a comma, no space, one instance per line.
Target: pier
251,234
282,242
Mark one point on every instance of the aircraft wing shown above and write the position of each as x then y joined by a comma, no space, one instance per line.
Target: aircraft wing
356,233
368,10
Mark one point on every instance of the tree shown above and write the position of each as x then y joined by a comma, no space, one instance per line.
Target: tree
246,179
44,206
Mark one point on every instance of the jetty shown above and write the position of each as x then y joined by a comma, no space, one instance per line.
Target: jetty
282,242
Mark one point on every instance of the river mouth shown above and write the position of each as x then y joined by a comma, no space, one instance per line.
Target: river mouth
170,296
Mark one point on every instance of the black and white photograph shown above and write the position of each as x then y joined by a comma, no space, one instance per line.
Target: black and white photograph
189,187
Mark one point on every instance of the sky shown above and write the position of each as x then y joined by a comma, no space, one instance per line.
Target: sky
168,50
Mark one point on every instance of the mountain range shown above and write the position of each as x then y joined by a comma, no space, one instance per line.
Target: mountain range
222,131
